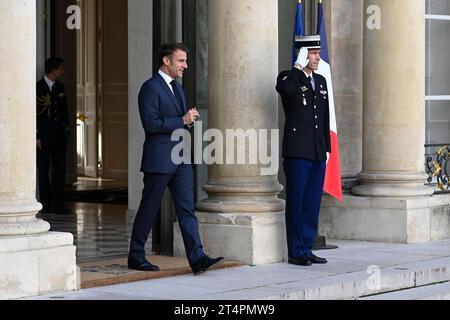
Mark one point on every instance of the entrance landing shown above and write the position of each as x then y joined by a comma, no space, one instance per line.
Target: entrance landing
114,271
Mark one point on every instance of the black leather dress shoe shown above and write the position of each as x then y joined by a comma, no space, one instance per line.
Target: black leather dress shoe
316,259
141,264
300,261
206,263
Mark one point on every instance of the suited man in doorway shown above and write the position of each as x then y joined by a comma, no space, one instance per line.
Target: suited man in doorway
163,109
52,134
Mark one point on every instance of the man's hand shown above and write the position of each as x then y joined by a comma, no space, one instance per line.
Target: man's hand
302,59
191,116
39,144
328,157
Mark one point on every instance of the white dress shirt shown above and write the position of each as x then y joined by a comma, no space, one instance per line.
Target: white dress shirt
313,83
168,79
49,82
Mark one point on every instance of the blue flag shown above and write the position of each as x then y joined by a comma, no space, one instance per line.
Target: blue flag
323,34
298,29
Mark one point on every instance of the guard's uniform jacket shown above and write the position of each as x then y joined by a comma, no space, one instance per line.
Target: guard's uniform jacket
307,126
52,114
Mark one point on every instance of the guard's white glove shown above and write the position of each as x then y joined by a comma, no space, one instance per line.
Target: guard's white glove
302,59
328,157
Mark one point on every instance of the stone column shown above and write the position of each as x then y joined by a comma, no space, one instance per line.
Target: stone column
140,69
32,261
391,204
394,95
345,19
242,218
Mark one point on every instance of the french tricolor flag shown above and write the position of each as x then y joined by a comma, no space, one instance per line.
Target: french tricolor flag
333,185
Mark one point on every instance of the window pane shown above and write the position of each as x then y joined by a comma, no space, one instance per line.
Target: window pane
438,62
438,122
438,7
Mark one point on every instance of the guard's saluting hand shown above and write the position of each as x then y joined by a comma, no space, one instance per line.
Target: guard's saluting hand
302,59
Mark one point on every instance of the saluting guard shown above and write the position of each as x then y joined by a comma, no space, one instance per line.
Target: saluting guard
306,148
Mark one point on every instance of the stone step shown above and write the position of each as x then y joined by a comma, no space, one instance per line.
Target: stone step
355,285
350,274
440,291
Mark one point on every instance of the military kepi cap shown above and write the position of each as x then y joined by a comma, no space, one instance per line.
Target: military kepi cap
309,42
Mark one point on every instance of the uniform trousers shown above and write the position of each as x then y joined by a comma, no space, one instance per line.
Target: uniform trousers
304,188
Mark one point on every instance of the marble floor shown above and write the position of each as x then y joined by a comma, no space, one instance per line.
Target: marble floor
99,229
87,184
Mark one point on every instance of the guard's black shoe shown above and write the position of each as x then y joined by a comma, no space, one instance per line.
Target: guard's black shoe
205,264
300,261
141,264
315,259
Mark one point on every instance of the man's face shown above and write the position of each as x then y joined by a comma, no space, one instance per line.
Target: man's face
314,59
176,64
58,73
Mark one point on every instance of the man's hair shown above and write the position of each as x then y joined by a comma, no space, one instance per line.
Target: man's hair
168,49
53,63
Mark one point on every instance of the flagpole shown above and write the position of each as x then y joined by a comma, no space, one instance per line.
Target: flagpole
298,28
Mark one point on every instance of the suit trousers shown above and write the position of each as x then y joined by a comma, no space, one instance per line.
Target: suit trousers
51,191
304,187
181,186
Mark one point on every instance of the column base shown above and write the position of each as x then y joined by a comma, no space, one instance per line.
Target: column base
18,218
37,265
381,184
253,239
392,220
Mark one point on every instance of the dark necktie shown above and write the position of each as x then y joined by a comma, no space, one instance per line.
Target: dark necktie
177,93
310,82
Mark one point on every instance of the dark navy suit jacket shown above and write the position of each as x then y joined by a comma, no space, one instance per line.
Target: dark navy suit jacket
52,115
161,115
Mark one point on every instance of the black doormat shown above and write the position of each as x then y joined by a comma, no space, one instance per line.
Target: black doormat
113,196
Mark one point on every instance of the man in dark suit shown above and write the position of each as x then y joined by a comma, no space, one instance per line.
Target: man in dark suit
306,148
162,107
52,134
